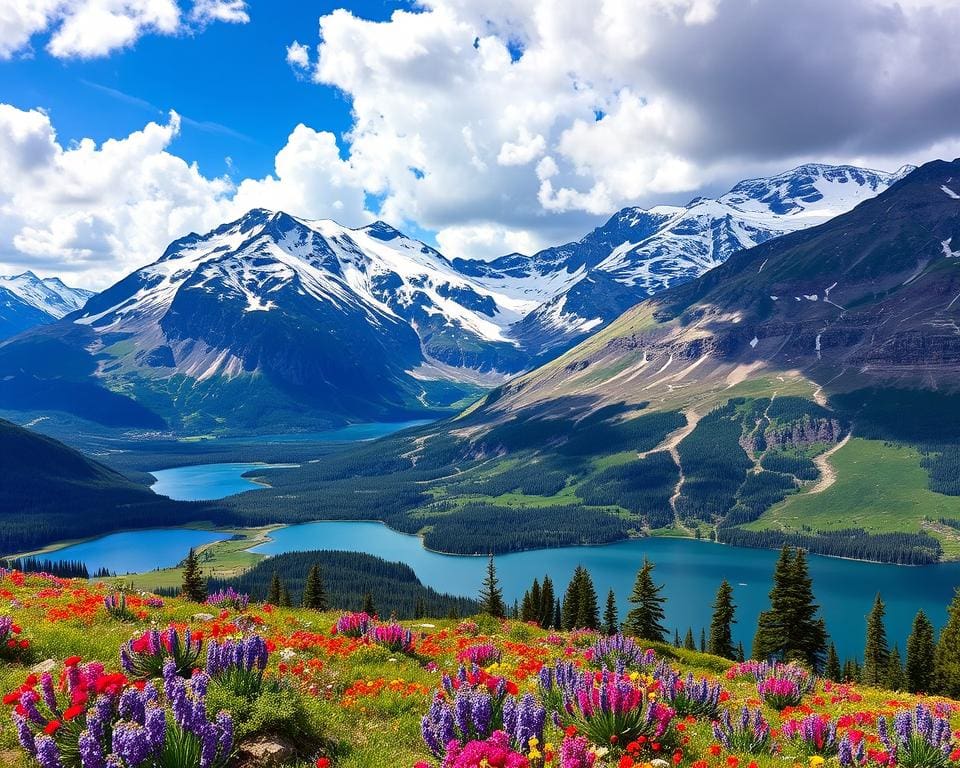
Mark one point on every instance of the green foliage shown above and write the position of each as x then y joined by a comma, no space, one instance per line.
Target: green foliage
947,659
721,634
580,609
277,711
643,486
876,654
921,656
315,593
611,617
646,617
790,461
491,594
194,588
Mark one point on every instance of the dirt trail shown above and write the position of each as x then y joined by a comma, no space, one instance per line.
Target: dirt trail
670,444
828,475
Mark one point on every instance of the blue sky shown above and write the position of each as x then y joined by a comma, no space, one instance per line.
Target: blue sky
230,82
482,127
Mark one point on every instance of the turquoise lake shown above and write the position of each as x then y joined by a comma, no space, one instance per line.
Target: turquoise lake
206,482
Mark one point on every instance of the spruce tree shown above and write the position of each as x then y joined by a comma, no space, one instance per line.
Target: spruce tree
545,611
676,638
611,618
588,611
703,640
921,656
368,606
285,601
557,615
535,597
194,587
526,607
740,655
832,669
770,639
849,671
273,595
314,591
491,596
721,633
644,619
688,642
876,653
571,601
947,658
896,679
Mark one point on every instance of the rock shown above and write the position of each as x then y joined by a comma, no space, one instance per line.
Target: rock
265,752
44,666
659,762
202,617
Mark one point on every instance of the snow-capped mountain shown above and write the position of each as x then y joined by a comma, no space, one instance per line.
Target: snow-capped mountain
27,301
640,252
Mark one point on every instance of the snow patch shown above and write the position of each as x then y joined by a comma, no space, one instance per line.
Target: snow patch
753,342
947,250
949,192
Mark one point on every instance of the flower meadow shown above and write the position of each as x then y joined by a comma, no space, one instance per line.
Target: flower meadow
170,684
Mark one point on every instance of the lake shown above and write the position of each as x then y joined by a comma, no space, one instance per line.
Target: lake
137,551
350,434
691,571
206,482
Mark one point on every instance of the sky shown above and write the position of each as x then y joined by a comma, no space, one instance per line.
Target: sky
482,128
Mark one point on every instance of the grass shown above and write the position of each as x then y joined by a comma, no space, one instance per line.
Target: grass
879,486
359,704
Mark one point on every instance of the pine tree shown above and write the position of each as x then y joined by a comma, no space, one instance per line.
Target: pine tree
526,607
611,618
740,655
491,596
703,640
194,587
314,591
896,679
921,656
535,597
876,653
721,633
947,659
644,619
420,608
770,640
688,642
832,669
545,611
588,611
850,673
285,600
676,638
273,595
557,615
368,606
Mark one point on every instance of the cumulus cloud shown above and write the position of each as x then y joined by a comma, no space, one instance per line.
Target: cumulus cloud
298,56
529,117
94,212
92,28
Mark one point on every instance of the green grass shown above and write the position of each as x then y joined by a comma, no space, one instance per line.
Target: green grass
880,487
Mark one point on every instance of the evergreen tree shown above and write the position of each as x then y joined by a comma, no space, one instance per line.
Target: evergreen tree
285,601
557,615
947,658
588,611
832,669
703,640
535,596
420,609
526,607
314,591
515,611
688,643
644,619
876,653
740,655
921,656
896,678
194,586
368,606
491,596
545,611
849,671
611,618
676,638
721,633
273,595
791,629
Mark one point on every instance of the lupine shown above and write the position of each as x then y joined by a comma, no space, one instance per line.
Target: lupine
779,692
851,751
116,605
482,655
575,752
620,650
813,735
608,707
229,598
98,720
750,732
146,655
12,644
196,739
917,738
394,637
689,696
765,670
238,664
354,624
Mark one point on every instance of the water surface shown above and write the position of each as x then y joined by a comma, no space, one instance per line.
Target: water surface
206,482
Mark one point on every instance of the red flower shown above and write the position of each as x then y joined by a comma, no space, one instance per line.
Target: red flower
52,727
715,750
72,661
75,711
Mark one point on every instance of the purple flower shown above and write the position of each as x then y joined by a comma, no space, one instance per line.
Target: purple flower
47,753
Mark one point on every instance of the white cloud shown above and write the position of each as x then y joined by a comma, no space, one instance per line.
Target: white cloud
93,213
92,28
298,56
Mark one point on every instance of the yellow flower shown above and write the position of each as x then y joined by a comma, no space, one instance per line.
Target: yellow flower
816,761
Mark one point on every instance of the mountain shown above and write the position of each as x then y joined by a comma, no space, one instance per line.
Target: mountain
52,493
274,319
804,392
637,253
27,301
